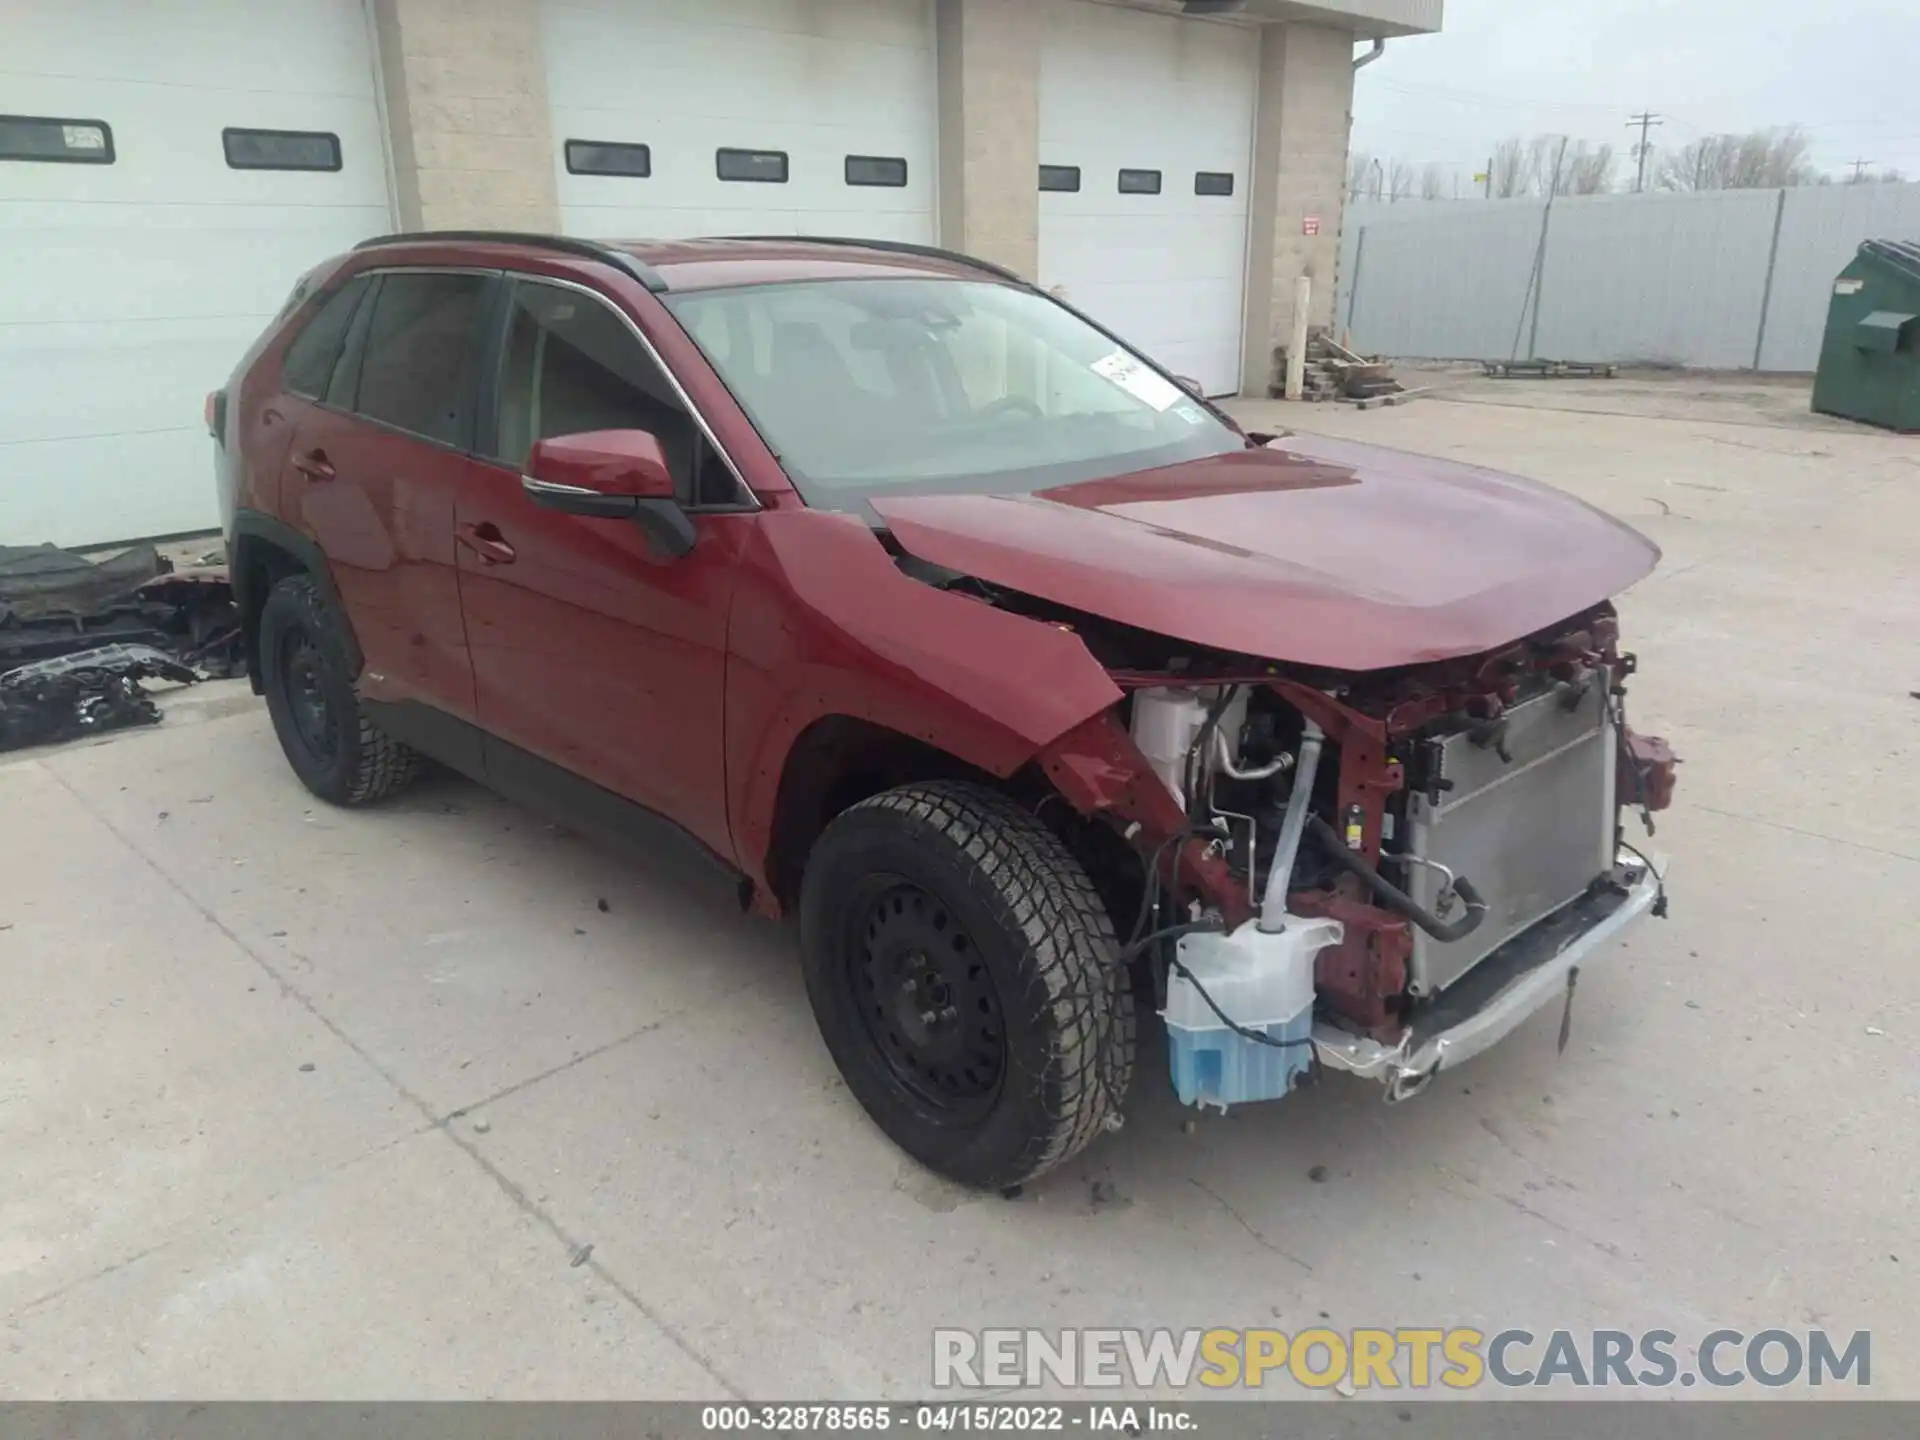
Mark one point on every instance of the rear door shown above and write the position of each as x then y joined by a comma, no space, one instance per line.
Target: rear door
375,467
591,651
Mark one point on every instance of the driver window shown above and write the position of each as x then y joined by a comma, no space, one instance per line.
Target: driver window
571,365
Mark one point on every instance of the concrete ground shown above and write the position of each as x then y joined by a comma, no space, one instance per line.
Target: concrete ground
434,1100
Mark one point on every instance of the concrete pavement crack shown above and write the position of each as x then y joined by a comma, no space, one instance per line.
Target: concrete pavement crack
585,1055
1264,1242
506,1184
1809,834
184,1231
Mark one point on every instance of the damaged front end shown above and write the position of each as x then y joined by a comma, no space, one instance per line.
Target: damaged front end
1386,873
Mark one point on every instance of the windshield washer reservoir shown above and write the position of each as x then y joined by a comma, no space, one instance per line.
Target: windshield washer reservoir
1263,981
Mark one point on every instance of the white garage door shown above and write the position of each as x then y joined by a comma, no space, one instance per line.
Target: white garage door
1146,141
692,117
139,263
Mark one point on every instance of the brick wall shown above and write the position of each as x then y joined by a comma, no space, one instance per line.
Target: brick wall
1299,171
466,93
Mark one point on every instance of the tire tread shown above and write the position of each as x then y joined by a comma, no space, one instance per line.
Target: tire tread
382,765
1029,879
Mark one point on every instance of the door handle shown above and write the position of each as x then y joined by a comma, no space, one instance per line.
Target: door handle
485,540
314,464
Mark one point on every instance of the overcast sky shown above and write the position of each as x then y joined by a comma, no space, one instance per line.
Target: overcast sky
1844,70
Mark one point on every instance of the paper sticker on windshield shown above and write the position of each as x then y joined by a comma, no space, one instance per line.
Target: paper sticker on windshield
1137,380
1191,413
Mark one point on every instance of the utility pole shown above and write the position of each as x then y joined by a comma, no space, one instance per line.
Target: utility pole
1860,171
1490,160
1646,120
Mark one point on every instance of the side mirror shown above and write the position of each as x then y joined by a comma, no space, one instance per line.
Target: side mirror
611,475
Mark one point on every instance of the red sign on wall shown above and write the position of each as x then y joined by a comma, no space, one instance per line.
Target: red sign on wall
1310,225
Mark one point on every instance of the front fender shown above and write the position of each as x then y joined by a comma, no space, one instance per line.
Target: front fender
823,623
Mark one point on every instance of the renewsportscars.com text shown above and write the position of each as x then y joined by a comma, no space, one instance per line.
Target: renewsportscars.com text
1403,1358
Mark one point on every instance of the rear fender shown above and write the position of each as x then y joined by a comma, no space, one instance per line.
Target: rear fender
263,551
824,624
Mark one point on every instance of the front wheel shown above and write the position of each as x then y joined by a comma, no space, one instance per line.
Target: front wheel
964,976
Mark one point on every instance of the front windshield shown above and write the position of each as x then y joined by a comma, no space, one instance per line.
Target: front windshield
917,385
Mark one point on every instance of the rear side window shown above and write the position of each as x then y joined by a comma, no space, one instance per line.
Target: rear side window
315,351
416,372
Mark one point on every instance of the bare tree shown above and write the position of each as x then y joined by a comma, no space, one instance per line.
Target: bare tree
1359,174
1889,176
1433,182
1543,163
1588,169
1401,179
1760,160
1512,175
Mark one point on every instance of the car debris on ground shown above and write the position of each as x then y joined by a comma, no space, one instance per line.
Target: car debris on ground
78,635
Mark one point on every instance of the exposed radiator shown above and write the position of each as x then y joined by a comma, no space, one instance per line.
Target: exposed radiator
1531,833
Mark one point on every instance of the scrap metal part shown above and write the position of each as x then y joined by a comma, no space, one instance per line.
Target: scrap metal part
57,602
84,694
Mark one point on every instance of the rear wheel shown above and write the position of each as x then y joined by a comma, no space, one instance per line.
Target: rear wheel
338,753
963,973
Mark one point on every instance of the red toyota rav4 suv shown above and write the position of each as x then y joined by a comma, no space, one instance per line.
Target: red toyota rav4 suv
946,621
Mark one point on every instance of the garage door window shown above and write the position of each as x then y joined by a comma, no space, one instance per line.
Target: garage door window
1213,182
876,170
280,149
608,157
1062,178
1139,182
760,167
313,354
53,141
417,369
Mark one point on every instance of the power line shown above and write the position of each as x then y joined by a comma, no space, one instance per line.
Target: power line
1646,120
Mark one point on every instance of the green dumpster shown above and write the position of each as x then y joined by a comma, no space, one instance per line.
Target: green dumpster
1870,363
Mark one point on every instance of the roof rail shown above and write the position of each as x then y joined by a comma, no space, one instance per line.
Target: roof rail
565,244
898,247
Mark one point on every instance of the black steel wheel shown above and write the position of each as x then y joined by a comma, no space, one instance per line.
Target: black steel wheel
312,712
963,973
338,753
925,999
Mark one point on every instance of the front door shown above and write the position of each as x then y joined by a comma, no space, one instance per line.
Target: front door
591,651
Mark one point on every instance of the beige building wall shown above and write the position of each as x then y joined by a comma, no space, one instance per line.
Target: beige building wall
989,68
1299,182
465,87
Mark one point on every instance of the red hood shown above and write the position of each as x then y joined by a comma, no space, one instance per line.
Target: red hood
1315,551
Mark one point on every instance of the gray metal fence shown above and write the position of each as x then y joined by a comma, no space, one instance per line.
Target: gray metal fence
1733,279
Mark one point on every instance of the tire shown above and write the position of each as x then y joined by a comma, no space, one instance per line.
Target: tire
964,976
338,753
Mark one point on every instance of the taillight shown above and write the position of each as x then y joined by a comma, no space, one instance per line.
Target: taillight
216,413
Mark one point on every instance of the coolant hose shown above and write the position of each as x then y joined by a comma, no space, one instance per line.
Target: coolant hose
1396,899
